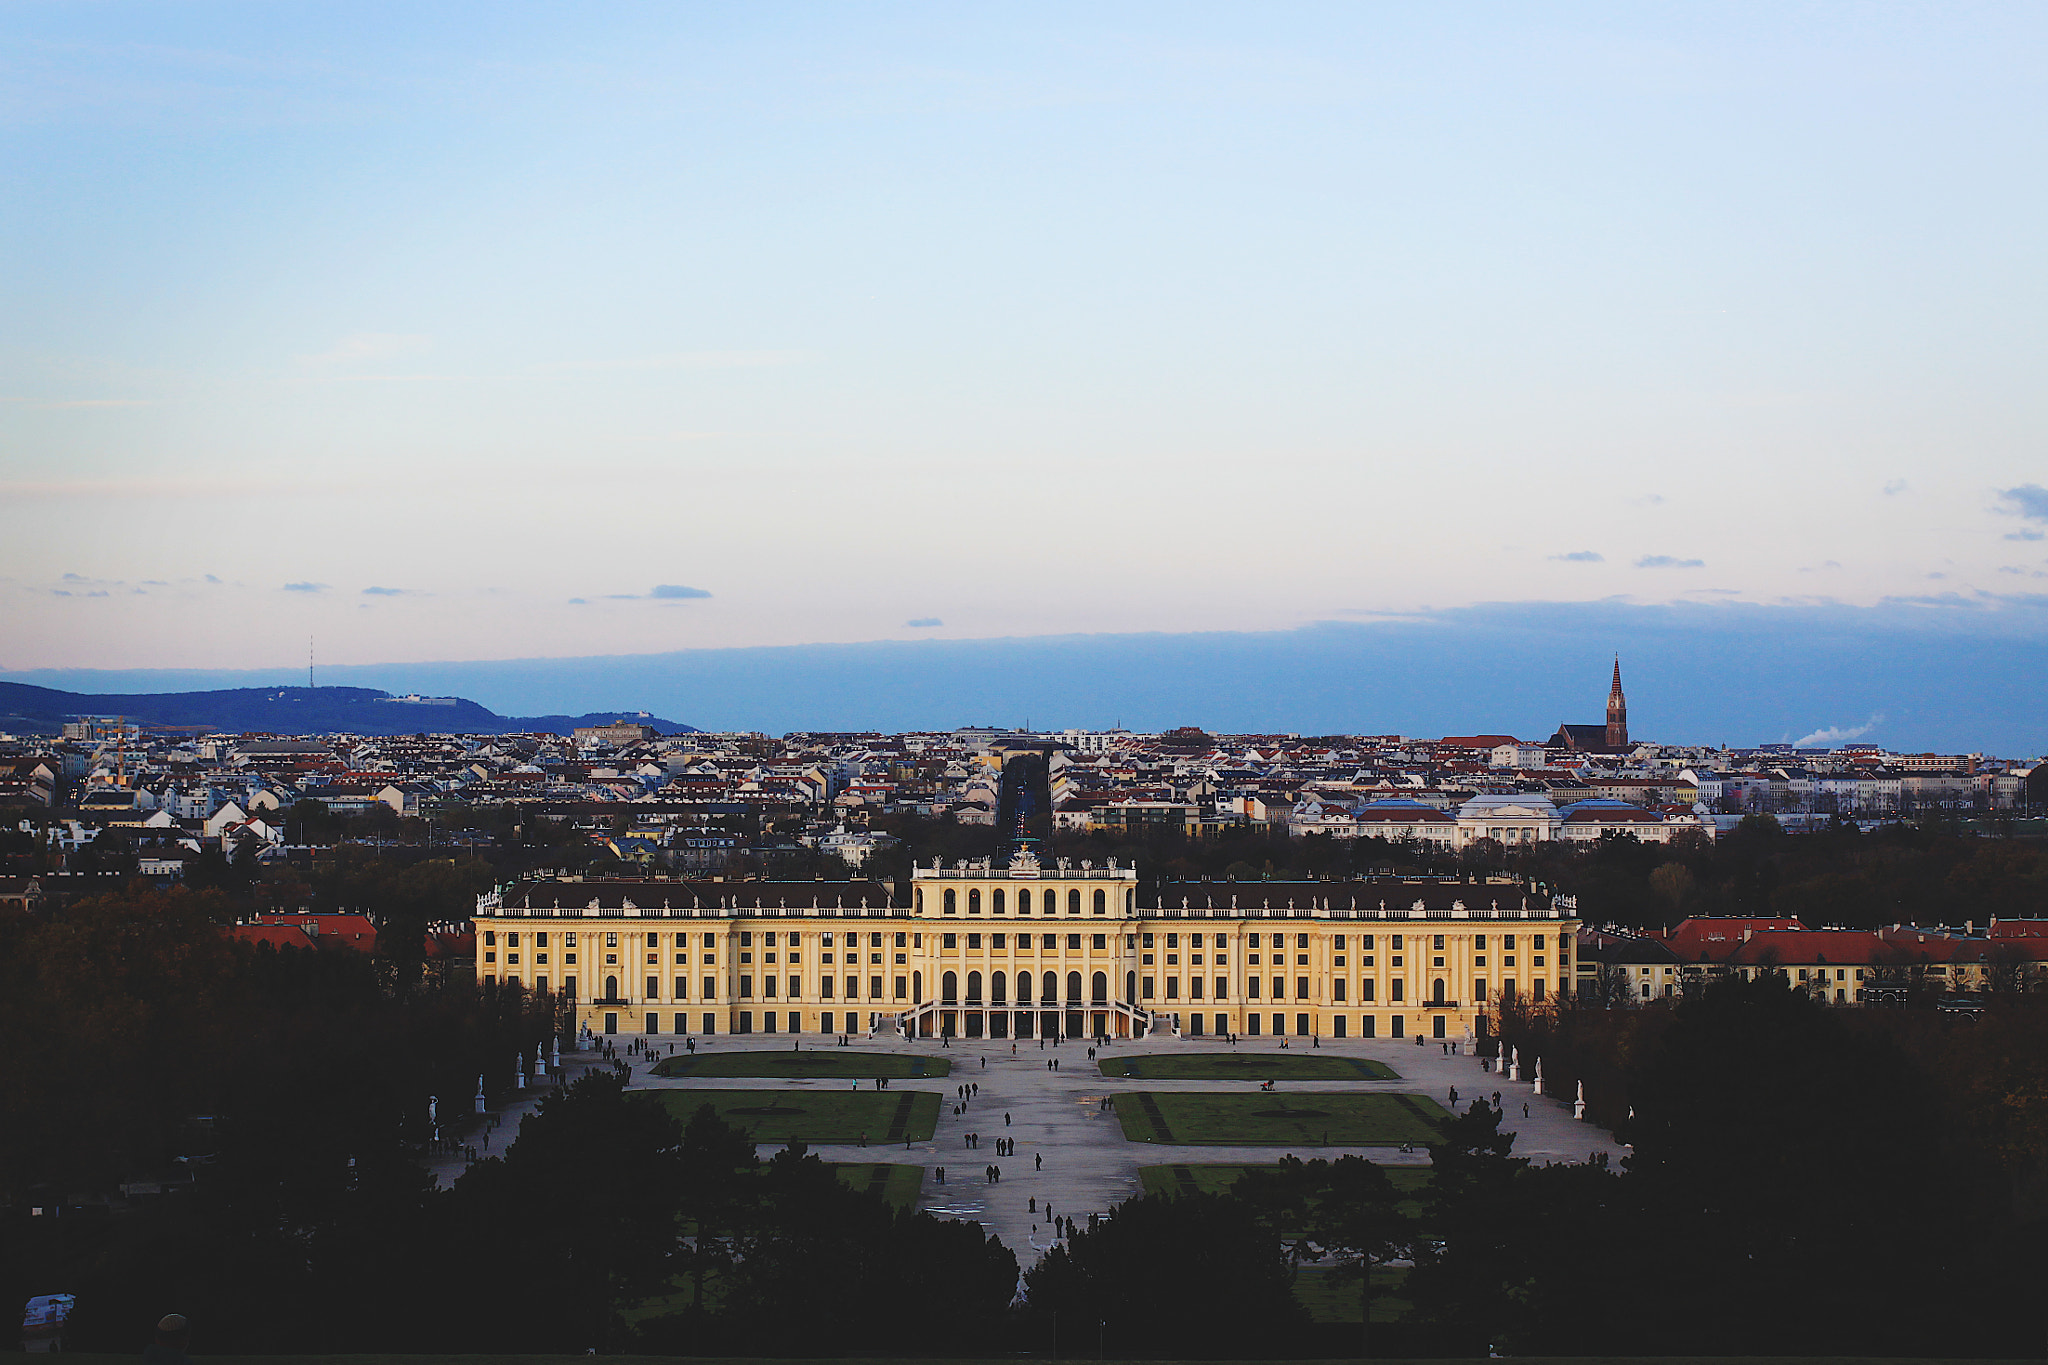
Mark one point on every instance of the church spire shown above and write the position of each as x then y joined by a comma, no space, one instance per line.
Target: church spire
1617,711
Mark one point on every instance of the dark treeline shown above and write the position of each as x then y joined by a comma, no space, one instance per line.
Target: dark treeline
142,1044
1799,1186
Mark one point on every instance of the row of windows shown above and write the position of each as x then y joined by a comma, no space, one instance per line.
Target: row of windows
794,938
1193,1025
1048,900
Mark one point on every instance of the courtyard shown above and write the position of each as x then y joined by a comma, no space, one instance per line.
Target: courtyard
1281,1118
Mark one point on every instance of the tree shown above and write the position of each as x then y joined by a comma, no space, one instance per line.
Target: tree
1474,1261
1343,1209
1191,1275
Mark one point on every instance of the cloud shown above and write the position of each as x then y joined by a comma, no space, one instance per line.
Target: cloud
361,346
1836,734
211,579
305,587
1824,564
1581,557
73,578
579,601
2028,533
676,592
1894,488
392,592
924,623
2029,500
1669,562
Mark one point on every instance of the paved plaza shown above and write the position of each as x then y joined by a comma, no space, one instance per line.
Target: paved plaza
1089,1166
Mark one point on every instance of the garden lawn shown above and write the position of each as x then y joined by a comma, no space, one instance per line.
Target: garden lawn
1409,1182
814,1116
1280,1119
899,1186
1247,1066
822,1063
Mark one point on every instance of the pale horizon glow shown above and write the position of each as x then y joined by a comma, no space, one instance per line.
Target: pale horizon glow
482,332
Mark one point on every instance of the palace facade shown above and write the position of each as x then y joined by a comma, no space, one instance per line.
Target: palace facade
982,950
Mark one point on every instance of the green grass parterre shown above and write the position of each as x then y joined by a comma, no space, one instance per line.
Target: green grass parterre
814,1116
1247,1066
1409,1182
1280,1118
810,1064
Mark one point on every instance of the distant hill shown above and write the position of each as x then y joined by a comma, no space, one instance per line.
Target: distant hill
292,711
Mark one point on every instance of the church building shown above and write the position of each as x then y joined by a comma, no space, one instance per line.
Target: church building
1611,738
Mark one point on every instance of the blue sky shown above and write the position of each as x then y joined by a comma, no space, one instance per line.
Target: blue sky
474,332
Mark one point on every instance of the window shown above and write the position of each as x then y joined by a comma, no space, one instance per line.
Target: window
710,989
1098,942
1507,941
1074,902
512,939
1251,988
746,939
710,940
1437,943
900,992
996,942
490,938
1074,943
899,940
1301,940
1222,988
974,941
1365,942
1148,939
995,900
874,986
1023,902
1397,989
611,940
540,940
1194,987
1195,940
950,941
746,988
1301,988
1101,903
653,942
974,900
653,987
952,901
1337,988
1251,940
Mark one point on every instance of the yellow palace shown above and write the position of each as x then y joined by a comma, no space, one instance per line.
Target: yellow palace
979,950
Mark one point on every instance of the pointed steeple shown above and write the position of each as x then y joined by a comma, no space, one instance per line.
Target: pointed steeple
1617,711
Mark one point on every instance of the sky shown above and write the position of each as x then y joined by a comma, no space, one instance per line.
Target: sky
462,333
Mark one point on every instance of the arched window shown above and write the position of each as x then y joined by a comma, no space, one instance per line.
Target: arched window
974,900
1073,902
1130,900
611,988
952,901
1101,901
998,988
1100,985
949,989
917,988
1023,988
1074,987
1130,985
1051,994
1023,901
1436,992
974,988
995,901
920,900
